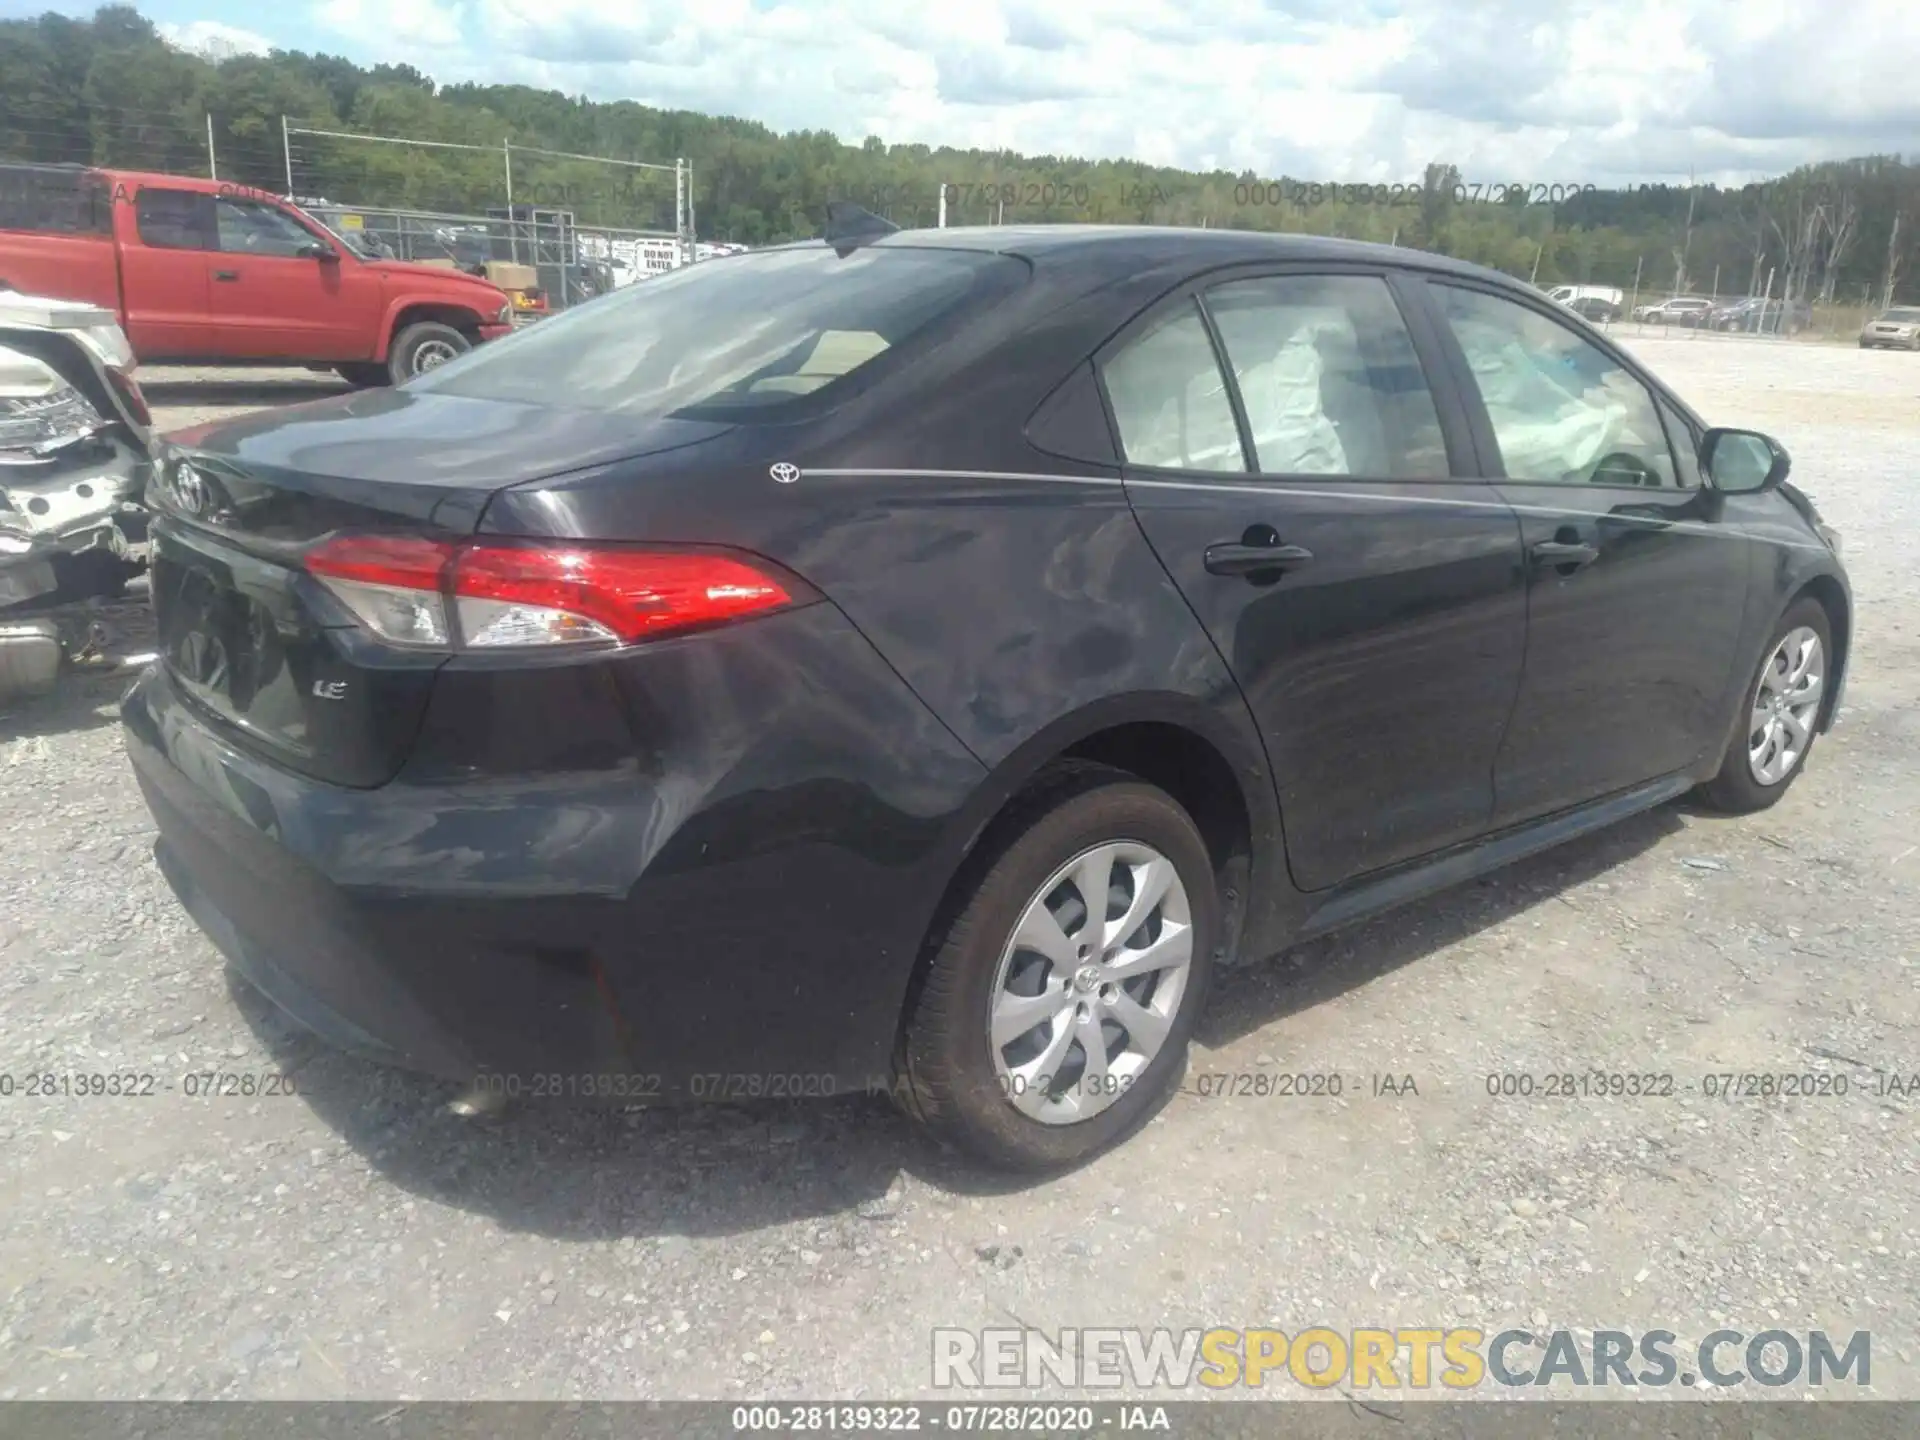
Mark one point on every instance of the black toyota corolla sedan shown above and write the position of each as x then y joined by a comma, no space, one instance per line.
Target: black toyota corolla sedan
919,660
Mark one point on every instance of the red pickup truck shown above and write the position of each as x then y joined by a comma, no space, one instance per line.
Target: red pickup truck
207,272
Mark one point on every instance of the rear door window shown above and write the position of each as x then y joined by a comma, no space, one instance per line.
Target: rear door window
174,219
741,338
1329,377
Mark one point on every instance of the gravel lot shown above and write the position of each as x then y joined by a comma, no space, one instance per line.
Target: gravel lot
357,1241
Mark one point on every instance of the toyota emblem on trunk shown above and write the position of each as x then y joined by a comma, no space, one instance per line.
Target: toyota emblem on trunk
785,473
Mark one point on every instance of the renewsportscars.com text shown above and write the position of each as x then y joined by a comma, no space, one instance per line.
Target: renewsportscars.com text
1392,1359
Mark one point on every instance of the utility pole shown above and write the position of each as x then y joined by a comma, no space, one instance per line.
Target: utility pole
286,149
943,205
213,171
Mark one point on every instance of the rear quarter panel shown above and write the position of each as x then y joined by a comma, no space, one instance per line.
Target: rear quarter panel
1012,590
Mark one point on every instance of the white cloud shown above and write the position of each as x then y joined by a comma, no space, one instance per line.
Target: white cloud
396,29
213,39
1547,91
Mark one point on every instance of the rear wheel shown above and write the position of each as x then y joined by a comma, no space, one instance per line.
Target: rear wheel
1779,714
1057,1007
422,347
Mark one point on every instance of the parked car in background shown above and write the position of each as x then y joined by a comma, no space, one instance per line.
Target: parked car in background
1757,315
909,660
1898,328
1595,302
1680,310
197,270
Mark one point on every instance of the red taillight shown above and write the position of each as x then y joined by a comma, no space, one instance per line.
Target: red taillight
398,561
517,595
632,593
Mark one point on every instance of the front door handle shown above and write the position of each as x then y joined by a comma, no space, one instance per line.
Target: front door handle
1562,554
226,274
1238,558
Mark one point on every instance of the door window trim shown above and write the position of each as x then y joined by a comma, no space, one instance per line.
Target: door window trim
1442,385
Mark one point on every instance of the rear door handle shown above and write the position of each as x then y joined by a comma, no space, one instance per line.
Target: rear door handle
1560,553
1237,558
226,274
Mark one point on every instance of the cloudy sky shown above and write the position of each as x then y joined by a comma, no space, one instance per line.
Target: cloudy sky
1531,91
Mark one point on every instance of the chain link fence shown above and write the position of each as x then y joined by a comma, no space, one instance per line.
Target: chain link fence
1631,305
583,224
570,262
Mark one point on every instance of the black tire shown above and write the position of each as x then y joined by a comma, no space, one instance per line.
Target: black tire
413,345
946,1077
365,373
1735,790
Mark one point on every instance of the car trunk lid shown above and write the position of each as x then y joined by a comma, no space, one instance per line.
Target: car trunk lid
262,646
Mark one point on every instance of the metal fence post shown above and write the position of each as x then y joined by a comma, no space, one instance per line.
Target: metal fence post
680,212
513,221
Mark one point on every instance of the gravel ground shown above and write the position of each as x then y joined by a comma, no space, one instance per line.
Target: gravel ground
358,1241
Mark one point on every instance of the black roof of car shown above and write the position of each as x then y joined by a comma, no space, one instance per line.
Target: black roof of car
1125,246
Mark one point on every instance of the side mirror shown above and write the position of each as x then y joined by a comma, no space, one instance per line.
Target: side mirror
319,251
1742,462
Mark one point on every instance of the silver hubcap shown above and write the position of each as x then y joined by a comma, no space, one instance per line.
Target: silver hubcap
1785,706
1090,983
432,353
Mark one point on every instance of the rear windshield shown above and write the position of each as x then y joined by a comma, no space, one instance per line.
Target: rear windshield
740,338
1905,315
54,200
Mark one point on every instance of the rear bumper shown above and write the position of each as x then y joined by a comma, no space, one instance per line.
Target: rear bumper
239,841
744,898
